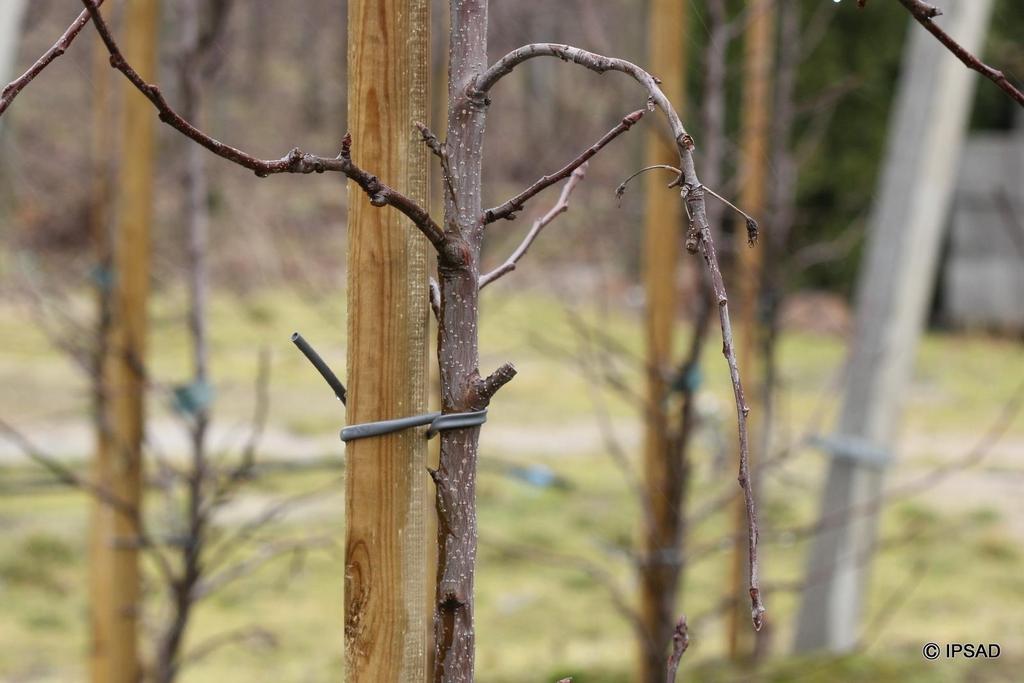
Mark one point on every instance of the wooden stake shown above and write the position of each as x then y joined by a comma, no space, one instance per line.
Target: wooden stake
116,602
385,622
663,231
757,64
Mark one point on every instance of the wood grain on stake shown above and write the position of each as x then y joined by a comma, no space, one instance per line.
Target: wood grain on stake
387,348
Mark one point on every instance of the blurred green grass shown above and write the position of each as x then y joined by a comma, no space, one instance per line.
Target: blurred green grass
955,572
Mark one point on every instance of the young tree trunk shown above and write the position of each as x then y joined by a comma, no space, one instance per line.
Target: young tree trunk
457,353
115,611
663,471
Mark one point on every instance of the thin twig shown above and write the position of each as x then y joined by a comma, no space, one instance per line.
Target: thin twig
64,474
584,565
514,204
261,409
12,89
254,634
207,585
680,641
70,478
924,13
621,189
440,150
752,229
560,207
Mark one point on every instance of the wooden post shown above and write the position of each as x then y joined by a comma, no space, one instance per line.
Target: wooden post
663,230
926,132
385,623
118,467
757,76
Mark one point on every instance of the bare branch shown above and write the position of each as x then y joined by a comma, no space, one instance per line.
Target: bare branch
296,161
257,425
717,284
511,206
924,13
560,207
219,554
253,634
752,229
69,477
12,89
61,472
680,641
210,584
440,150
698,238
485,389
591,569
621,189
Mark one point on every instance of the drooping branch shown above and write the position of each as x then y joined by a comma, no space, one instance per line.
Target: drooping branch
514,204
560,207
924,13
699,238
718,286
12,89
595,62
296,161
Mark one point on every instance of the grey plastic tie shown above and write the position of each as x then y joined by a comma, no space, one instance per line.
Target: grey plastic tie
438,422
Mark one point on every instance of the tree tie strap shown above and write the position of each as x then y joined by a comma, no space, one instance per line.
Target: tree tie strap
438,422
